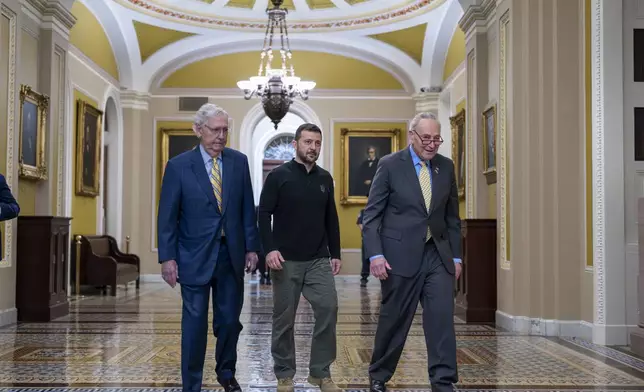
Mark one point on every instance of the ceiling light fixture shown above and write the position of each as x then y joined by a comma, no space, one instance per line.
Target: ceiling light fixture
276,86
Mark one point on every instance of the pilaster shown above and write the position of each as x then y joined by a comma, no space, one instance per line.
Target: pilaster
427,102
55,22
475,23
136,170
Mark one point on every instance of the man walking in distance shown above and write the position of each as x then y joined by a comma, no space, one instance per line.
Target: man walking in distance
207,234
9,208
303,251
412,234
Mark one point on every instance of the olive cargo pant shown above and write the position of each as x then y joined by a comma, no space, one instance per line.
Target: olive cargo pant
314,280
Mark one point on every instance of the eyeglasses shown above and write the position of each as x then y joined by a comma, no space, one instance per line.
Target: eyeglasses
216,131
426,141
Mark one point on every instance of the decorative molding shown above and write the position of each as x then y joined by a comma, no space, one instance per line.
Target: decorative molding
6,261
502,156
477,15
135,100
62,87
470,126
599,222
53,15
427,102
333,22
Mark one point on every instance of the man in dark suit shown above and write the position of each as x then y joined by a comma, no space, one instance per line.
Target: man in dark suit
412,234
207,234
9,208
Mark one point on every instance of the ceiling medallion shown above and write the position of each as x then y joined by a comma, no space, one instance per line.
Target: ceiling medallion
276,86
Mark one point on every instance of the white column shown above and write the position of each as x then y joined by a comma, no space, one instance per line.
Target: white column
608,174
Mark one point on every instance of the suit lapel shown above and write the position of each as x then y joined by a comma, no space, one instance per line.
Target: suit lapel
199,168
229,169
410,172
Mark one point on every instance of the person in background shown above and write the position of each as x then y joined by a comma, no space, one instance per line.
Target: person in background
9,208
264,273
364,273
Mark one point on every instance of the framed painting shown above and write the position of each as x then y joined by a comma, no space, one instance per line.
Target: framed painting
361,150
175,142
89,122
458,150
32,161
489,143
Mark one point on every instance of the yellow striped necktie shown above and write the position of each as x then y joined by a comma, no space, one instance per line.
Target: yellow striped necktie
426,187
215,180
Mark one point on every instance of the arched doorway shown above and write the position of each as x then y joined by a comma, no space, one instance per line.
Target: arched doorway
278,151
109,212
274,141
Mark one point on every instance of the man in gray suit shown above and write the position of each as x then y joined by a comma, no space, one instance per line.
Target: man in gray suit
412,236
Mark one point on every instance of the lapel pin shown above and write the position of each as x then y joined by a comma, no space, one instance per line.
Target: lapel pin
436,170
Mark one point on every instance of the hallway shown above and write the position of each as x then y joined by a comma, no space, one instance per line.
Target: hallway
132,343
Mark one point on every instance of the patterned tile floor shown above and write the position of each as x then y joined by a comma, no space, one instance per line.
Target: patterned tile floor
132,343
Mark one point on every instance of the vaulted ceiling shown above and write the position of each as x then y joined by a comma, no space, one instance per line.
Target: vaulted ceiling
352,44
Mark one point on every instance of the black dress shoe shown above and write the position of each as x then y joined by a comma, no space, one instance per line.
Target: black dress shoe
377,386
230,385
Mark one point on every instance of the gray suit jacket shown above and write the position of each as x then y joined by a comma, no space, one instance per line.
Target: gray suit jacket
395,219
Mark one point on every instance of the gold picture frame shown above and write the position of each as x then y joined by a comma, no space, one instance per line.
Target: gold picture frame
374,144
89,132
168,150
488,118
32,161
458,150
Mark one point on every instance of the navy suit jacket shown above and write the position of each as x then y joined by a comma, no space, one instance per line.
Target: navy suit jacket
189,222
9,208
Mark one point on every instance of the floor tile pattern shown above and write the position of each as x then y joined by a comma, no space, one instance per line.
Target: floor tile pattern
131,343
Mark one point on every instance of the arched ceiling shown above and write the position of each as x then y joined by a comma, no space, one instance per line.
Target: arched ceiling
304,15
405,39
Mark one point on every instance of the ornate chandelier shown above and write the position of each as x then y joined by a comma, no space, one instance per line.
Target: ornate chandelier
276,86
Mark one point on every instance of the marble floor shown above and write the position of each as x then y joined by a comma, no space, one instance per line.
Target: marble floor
131,342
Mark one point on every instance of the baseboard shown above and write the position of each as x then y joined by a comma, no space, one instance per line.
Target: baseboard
8,316
151,278
542,327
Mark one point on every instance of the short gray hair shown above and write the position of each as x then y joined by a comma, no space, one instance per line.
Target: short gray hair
208,110
423,116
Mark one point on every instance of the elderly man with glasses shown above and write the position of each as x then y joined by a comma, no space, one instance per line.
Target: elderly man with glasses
412,236
207,236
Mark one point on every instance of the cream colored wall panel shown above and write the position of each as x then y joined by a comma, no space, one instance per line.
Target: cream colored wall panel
29,60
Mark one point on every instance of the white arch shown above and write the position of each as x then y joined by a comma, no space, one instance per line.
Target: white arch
255,115
435,56
179,54
114,114
107,17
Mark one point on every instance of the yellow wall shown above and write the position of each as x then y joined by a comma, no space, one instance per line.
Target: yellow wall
349,232
455,53
329,71
84,209
89,37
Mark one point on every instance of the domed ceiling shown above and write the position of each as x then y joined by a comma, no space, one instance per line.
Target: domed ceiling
304,15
